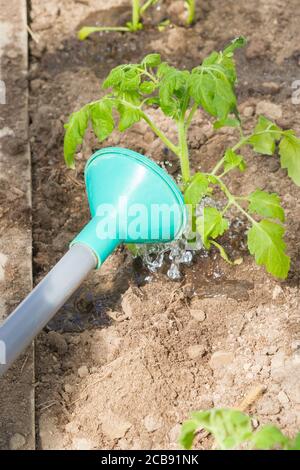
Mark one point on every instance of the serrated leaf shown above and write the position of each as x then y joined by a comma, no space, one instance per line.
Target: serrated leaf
75,131
233,160
268,134
265,242
128,116
151,60
196,189
146,88
172,88
224,100
211,225
229,427
266,204
202,90
269,437
131,80
102,118
289,149
114,78
214,93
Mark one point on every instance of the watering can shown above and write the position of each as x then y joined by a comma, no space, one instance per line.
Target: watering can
132,200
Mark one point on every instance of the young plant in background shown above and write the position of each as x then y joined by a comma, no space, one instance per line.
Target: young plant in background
232,428
139,9
178,94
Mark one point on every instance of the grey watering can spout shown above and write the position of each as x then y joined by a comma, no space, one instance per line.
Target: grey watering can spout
131,200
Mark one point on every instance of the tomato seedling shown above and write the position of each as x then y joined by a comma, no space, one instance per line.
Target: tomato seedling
231,428
138,9
178,94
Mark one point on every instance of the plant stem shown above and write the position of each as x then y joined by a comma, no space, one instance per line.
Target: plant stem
135,14
183,151
146,6
191,5
161,135
191,115
237,205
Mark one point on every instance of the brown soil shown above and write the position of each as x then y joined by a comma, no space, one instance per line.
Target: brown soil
123,364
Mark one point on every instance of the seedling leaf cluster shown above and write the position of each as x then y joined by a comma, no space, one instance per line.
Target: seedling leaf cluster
231,428
132,89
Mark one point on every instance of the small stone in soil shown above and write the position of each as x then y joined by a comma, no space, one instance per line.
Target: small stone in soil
268,109
152,423
248,111
283,398
195,351
199,315
83,371
220,359
68,388
114,427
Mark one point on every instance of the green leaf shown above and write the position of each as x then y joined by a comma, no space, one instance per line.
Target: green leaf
296,444
187,434
224,255
266,204
86,31
151,60
131,80
268,134
289,149
224,99
228,122
211,225
75,131
230,428
196,189
213,92
233,160
172,90
146,88
102,118
237,43
114,78
128,116
269,437
265,242
202,90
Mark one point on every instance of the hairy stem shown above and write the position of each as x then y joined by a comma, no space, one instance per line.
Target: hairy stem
183,152
160,134
191,5
135,14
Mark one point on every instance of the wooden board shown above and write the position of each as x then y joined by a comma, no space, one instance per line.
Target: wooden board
17,386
